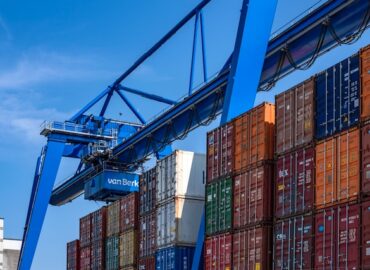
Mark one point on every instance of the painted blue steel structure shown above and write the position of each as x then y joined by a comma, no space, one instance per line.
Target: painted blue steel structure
251,68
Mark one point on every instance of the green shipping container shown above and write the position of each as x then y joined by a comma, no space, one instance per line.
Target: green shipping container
219,206
112,253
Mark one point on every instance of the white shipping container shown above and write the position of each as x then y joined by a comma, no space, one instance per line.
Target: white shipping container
178,222
181,174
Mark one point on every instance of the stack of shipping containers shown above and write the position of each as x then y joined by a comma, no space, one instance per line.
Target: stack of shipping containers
112,240
98,234
73,255
85,242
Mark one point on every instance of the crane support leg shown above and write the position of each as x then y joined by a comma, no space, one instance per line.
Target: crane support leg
43,188
253,35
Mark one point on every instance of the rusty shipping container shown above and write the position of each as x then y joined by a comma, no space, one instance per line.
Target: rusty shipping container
293,243
253,196
148,234
128,249
337,237
129,212
294,184
148,191
252,248
98,255
254,138
85,231
295,116
365,162
218,252
365,241
113,218
338,169
73,255
365,82
98,224
147,263
85,258
220,152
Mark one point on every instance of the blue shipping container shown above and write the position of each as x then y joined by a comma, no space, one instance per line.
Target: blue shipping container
338,97
174,258
109,184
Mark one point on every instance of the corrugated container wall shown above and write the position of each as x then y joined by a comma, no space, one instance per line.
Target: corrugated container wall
337,237
219,206
73,255
180,174
252,248
85,258
253,196
98,255
338,97
112,253
295,117
148,234
129,212
174,258
148,193
85,231
98,224
365,162
128,249
365,82
294,184
365,241
254,138
178,222
338,169
217,252
293,243
113,218
147,263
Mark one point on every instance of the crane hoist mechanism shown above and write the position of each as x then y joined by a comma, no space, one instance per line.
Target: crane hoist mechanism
111,152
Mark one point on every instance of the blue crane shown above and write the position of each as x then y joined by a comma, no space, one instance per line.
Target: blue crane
256,64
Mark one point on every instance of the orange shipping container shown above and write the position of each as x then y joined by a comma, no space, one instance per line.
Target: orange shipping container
338,169
254,136
365,82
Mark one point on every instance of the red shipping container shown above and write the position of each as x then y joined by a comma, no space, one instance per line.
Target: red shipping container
293,243
218,252
252,248
147,263
294,188
85,258
148,191
220,152
148,234
98,255
98,224
365,260
253,196
73,255
365,159
337,237
85,231
129,212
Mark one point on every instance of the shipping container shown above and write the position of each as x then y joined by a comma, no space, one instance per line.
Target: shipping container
113,218
338,169
253,196
365,82
294,184
73,255
295,117
178,222
219,206
85,231
217,253
180,174
85,258
98,224
338,97
254,138
148,234
147,263
174,258
365,162
98,255
365,241
129,212
337,237
293,243
252,248
220,152
112,253
128,249
148,192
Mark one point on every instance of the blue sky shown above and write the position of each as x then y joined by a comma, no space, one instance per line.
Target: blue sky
57,55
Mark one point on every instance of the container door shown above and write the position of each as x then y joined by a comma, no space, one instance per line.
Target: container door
325,239
305,160
366,157
365,82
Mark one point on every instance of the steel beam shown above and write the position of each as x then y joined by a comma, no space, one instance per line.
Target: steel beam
132,108
148,96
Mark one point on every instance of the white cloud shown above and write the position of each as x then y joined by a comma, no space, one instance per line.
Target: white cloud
5,29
